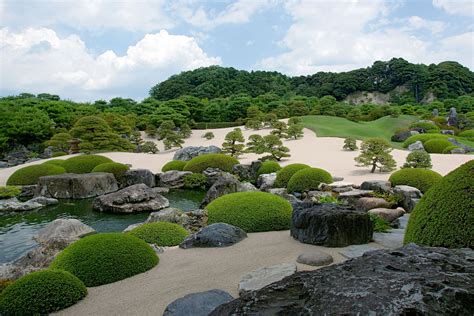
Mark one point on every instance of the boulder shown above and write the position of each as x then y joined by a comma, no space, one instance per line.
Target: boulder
169,214
188,153
76,186
262,277
225,184
447,132
284,194
315,196
355,251
418,145
134,199
266,181
368,203
191,221
315,258
161,190
69,229
330,225
136,176
410,280
247,172
212,174
351,197
13,205
347,186
435,112
467,149
409,196
197,304
402,136
28,191
376,185
172,178
452,118
214,235
388,214
44,200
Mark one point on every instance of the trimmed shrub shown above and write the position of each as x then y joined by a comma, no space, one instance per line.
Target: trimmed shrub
106,258
41,292
418,159
31,174
251,211
448,149
160,233
117,169
423,138
268,166
467,134
84,163
200,163
350,144
436,146
58,154
308,179
56,162
9,191
208,135
285,173
444,216
195,181
174,165
422,179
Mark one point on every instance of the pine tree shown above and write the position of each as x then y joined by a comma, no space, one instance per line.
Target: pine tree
279,129
231,144
255,144
274,146
375,152
294,131
185,130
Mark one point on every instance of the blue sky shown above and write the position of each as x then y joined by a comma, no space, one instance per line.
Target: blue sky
98,49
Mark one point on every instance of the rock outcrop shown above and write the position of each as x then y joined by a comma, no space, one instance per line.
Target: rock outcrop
409,196
188,153
137,176
247,172
225,184
171,179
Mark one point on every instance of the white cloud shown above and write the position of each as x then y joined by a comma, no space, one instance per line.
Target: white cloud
416,22
38,60
459,7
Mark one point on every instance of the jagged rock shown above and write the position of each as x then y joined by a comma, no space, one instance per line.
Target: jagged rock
376,185
188,153
266,181
247,172
76,186
351,197
172,178
418,145
212,174
368,203
284,194
214,235
44,200
191,221
315,258
225,184
330,225
13,205
402,136
197,304
452,118
388,214
410,280
136,176
409,196
28,191
262,277
135,198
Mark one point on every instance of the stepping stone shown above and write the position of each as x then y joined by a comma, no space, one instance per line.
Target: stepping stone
262,277
392,239
355,251
315,258
197,304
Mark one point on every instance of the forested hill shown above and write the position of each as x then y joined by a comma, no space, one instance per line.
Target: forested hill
446,80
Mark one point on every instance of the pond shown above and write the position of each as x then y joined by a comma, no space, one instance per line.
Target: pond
17,229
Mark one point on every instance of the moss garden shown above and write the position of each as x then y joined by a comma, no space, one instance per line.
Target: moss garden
41,292
308,179
200,163
160,233
251,211
422,179
106,258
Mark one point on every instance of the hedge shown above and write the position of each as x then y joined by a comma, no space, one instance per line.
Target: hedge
211,125
84,163
444,216
41,292
284,174
268,166
106,258
447,150
30,175
117,169
200,163
423,138
308,179
436,146
160,233
422,179
174,165
251,211
56,162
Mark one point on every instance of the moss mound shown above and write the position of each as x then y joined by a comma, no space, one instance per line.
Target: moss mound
174,165
251,211
160,233
422,179
200,163
448,149
84,163
31,174
58,154
423,138
469,134
444,217
308,179
268,166
106,258
117,169
41,292
56,162
284,174
436,146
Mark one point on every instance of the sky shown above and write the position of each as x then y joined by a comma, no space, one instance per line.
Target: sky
87,50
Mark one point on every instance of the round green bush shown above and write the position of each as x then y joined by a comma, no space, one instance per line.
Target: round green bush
160,233
58,154
428,127
56,162
84,163
174,165
444,216
467,134
308,179
251,211
200,163
268,166
41,293
117,169
106,258
448,149
31,174
285,173
422,179
436,146
423,138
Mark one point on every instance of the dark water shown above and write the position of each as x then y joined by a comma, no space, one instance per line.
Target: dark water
18,228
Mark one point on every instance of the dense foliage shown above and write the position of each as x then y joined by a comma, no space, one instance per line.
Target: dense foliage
117,169
444,216
268,166
56,162
163,234
195,181
375,152
106,258
200,163
9,191
422,179
251,211
174,165
284,174
31,174
350,144
436,146
418,159
422,138
308,179
84,163
41,292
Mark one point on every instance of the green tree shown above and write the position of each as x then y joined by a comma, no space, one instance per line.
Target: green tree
418,159
273,145
185,130
255,144
279,129
254,124
208,135
350,144
294,120
294,131
59,142
173,139
375,152
166,128
269,119
231,144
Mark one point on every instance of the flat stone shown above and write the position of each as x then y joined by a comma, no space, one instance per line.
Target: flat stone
262,277
197,304
351,197
388,214
172,179
214,235
355,251
391,239
376,185
315,258
44,200
368,203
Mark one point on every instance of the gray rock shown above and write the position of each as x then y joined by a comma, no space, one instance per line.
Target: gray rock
388,214
169,214
247,172
28,191
13,205
452,118
161,190
47,152
136,176
314,196
197,304
466,148
330,225
212,174
76,186
337,179
172,179
458,151
376,185
411,280
284,194
315,258
418,145
351,197
266,181
262,277
368,203
69,229
356,251
225,184
135,198
335,185
391,239
44,200
402,136
3,164
132,226
191,221
188,153
435,112
214,235
409,196
447,132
